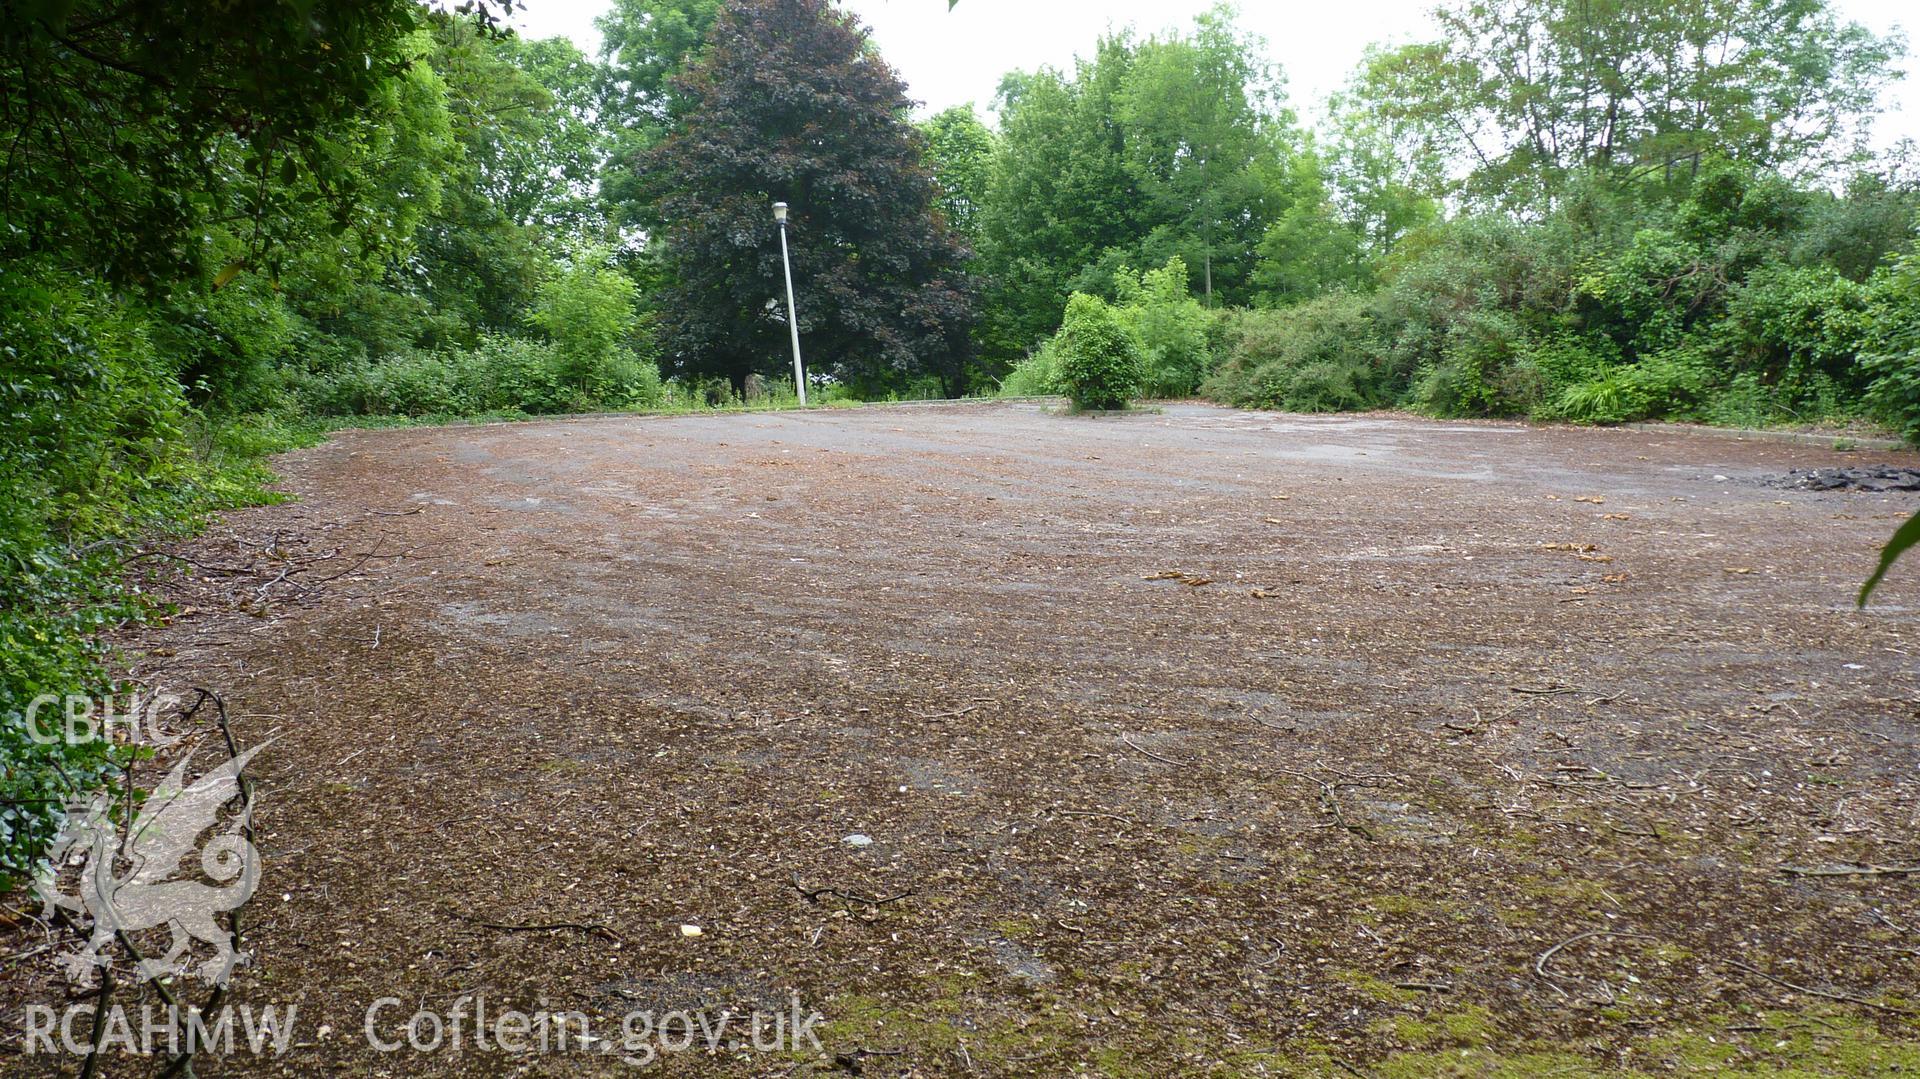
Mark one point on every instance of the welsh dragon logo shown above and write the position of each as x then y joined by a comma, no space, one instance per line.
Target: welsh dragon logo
134,882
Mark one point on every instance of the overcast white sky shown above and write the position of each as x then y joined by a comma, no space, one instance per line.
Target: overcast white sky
952,58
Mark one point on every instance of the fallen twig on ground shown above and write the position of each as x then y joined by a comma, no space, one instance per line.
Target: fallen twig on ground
1846,998
1332,802
1142,749
1094,813
594,928
1540,962
813,894
1853,871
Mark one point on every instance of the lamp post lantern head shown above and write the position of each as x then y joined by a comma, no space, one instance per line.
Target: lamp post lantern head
780,212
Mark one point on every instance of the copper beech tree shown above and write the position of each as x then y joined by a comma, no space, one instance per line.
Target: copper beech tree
790,102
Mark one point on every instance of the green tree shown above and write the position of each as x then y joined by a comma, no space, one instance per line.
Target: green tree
790,103
1519,94
543,161
1312,247
1203,135
645,46
162,162
521,180
587,308
1159,310
1377,189
149,123
960,153
1059,197
1172,147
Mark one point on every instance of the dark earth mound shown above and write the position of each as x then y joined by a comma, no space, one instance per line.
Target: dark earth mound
1882,478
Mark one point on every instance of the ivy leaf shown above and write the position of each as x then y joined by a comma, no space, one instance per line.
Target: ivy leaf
1906,536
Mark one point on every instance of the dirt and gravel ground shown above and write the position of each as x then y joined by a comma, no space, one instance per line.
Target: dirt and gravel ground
1181,743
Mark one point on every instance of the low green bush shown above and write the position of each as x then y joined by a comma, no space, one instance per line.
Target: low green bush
1613,397
1566,360
1671,385
1482,370
1324,386
1741,401
524,375
1036,376
1799,329
1100,362
501,373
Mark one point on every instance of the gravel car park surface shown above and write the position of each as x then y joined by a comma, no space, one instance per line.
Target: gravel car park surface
1183,742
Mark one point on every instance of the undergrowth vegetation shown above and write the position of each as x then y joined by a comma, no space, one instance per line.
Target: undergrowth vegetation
1725,305
103,455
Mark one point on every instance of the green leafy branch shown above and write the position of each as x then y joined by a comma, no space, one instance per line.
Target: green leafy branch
1907,535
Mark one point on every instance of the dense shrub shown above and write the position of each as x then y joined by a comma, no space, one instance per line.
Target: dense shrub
1036,376
1482,369
1891,355
1671,384
1855,233
1798,329
1100,362
1324,386
1611,397
1321,355
1646,296
587,311
1690,302
513,373
98,456
502,373
227,346
1565,360
1170,326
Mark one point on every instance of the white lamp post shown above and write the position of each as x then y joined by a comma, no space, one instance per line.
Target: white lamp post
793,316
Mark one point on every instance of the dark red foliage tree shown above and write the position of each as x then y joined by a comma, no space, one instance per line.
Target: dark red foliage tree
790,103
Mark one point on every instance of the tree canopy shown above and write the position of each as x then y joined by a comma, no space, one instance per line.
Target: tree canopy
788,103
1520,94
